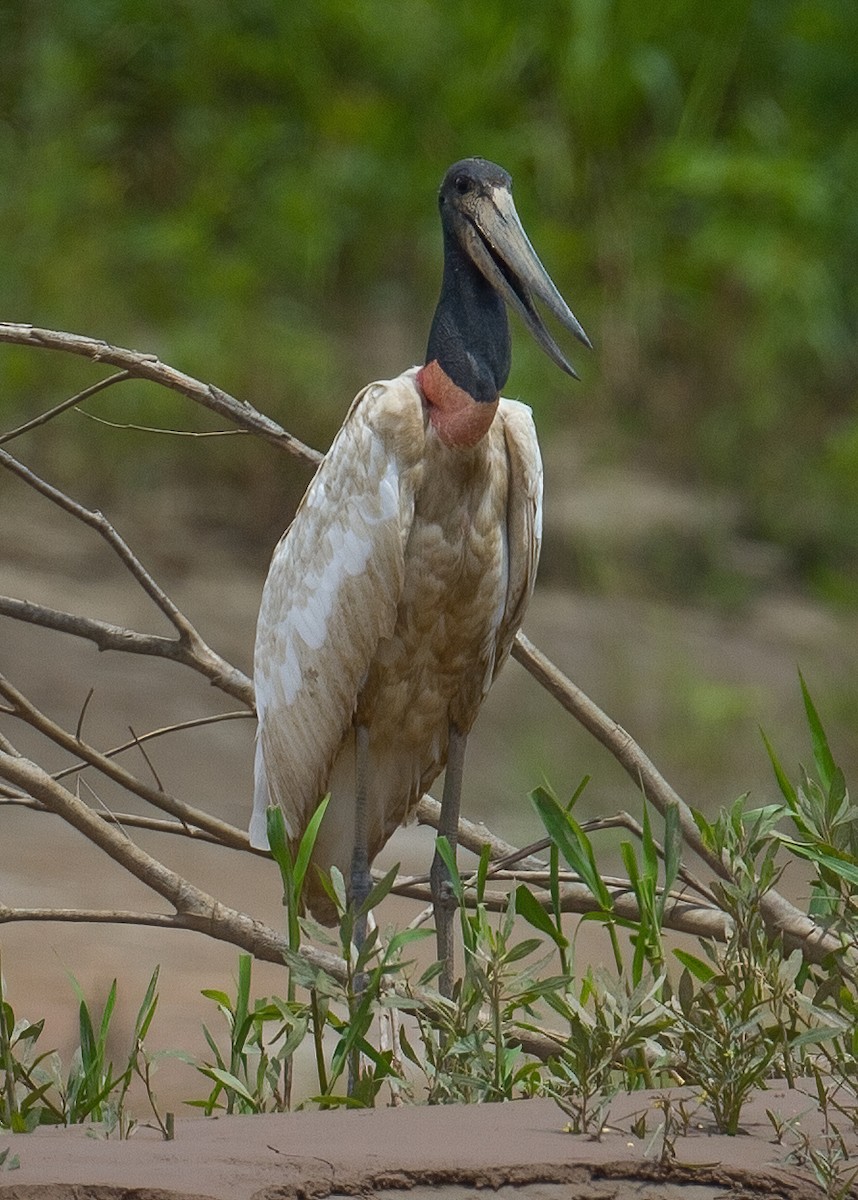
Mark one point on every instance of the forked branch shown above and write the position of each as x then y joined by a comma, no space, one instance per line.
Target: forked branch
150,367
193,908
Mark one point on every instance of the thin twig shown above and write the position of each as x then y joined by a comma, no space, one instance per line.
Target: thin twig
131,820
148,366
190,433
72,402
227,834
146,759
116,637
179,727
78,733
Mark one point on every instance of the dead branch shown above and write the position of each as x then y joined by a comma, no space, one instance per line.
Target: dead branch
222,831
72,401
781,917
130,821
148,366
190,649
116,637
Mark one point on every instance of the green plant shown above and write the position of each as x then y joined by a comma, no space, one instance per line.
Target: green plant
8,1160
614,1038
249,1076
749,1018
367,988
35,1091
826,829
471,1046
674,1123
827,1155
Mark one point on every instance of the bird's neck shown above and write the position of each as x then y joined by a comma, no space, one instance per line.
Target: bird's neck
468,356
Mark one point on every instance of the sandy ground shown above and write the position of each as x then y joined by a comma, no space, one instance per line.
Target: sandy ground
520,1150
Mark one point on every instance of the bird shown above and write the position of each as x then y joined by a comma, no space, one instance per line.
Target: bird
393,598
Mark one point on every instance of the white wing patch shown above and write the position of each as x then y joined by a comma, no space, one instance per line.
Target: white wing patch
330,596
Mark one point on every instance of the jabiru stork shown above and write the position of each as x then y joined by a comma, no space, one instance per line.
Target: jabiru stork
393,598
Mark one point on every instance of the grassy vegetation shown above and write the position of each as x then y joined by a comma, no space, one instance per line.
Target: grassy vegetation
722,1019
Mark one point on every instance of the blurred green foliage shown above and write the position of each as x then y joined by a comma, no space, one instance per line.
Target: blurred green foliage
246,188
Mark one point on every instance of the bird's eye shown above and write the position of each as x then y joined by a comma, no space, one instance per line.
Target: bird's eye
462,184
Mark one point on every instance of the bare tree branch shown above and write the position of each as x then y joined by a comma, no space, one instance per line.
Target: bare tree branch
189,648
79,398
225,833
781,917
131,821
188,433
148,366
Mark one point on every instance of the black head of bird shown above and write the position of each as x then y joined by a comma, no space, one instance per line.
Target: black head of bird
489,263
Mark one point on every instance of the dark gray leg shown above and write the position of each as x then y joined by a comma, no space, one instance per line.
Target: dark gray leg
360,880
360,883
448,827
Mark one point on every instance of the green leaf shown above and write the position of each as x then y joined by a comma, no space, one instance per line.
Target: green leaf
845,868
219,997
822,755
241,1020
672,850
276,829
699,969
408,1050
784,783
448,857
230,1081
685,992
307,844
482,873
528,907
147,1009
572,842
522,949
30,1033
379,891
106,1016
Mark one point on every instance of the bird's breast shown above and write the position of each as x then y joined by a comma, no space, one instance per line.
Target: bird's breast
437,664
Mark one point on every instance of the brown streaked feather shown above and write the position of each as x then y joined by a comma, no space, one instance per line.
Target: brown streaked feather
411,642
331,594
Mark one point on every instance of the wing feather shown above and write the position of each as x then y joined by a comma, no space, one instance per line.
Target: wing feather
524,520
331,595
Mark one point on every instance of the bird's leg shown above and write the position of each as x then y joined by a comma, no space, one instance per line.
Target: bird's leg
448,827
360,882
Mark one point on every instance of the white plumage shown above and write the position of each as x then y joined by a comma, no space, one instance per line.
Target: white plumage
393,599
391,602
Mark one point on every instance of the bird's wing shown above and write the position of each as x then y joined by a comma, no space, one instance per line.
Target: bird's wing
524,520
331,594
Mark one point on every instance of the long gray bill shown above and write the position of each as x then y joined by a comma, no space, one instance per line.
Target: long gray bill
497,243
